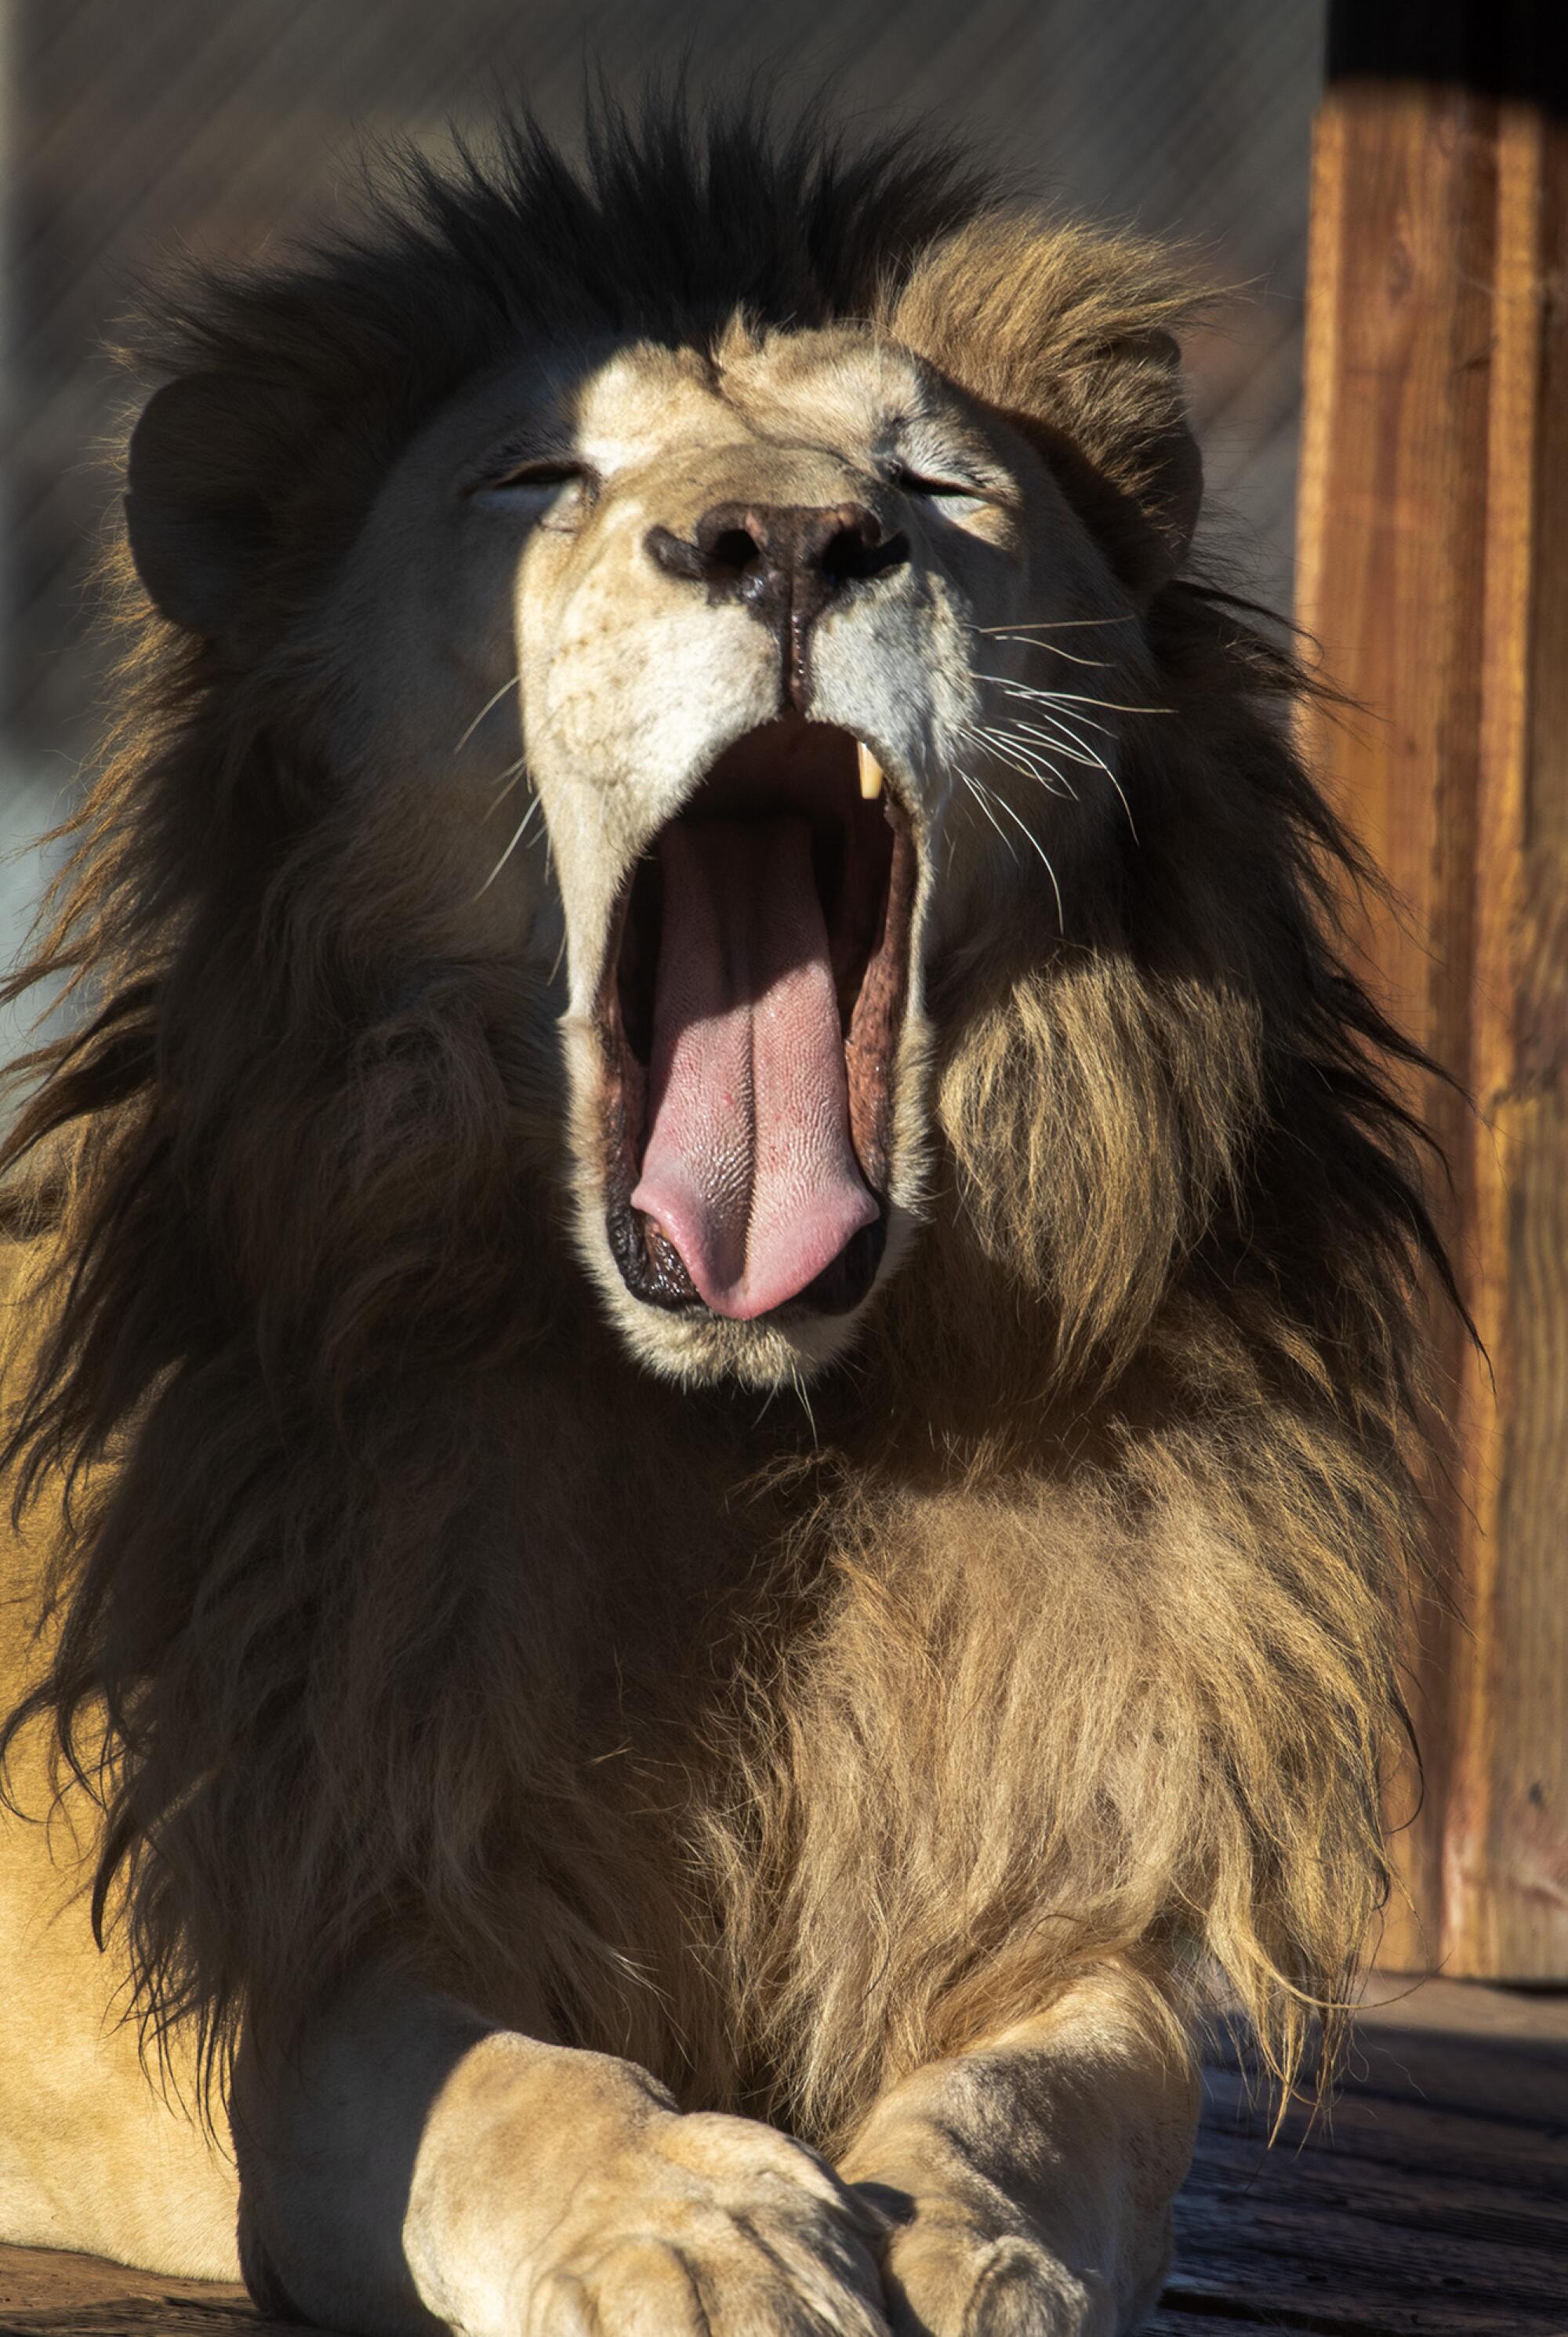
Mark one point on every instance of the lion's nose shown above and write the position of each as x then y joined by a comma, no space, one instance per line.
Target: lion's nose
786,562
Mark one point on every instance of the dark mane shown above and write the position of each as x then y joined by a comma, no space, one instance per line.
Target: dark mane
333,1410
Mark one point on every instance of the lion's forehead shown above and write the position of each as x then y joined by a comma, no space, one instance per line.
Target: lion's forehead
844,391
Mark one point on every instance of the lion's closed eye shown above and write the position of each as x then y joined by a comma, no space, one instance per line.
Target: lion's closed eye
548,488
939,488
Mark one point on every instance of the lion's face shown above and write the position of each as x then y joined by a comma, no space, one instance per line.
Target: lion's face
746,688
757,606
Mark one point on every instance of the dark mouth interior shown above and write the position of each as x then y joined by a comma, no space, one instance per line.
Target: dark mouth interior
862,865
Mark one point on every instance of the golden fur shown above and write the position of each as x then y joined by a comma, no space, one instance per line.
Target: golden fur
399,1612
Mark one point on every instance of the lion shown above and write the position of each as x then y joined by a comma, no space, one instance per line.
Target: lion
715,1370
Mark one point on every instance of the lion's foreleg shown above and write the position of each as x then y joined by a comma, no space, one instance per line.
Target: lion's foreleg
1029,2183
416,2166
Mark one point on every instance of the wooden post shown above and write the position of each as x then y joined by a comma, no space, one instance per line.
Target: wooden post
1434,572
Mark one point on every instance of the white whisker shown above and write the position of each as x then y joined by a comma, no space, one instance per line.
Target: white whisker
1106,665
1066,728
980,794
1073,696
1053,625
1003,804
1044,763
517,836
1071,738
1075,753
1006,745
1015,737
1107,705
511,779
800,1388
489,705
1080,751
1027,690
1056,739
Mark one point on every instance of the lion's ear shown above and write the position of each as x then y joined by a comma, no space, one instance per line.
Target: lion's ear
1066,333
1123,454
195,517
1168,489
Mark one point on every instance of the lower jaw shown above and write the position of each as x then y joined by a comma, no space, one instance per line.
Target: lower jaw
653,1271
694,1348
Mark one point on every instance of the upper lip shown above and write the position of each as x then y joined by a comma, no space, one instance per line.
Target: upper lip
864,860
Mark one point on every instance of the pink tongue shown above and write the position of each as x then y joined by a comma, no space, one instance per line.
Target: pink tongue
749,1168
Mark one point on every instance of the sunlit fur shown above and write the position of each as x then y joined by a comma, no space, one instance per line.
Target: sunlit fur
397,1611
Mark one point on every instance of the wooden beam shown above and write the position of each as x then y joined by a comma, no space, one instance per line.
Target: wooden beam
1434,571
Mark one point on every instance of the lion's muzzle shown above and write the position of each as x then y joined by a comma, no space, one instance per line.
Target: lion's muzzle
787,562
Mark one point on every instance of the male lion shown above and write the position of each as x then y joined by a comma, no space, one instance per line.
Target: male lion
712,1416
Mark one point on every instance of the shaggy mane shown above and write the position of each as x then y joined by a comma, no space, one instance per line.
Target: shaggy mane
394,1613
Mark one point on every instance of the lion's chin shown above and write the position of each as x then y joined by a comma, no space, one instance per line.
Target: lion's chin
699,1349
748,1026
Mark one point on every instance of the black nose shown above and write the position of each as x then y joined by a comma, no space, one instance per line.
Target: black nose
785,562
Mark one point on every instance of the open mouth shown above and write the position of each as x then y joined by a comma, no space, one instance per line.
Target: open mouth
749,1015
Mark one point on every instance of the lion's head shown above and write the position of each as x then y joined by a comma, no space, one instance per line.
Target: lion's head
736,639
679,768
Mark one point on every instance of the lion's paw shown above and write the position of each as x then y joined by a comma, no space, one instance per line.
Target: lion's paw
710,2227
946,2278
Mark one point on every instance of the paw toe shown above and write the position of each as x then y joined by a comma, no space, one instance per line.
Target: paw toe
1020,2290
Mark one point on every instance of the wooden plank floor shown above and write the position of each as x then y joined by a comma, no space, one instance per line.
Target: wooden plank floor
1435,2202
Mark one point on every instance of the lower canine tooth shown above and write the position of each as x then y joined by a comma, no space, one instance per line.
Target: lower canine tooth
871,773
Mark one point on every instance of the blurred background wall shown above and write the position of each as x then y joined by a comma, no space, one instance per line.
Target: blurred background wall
132,129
